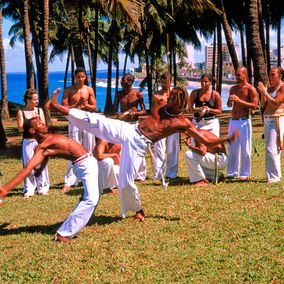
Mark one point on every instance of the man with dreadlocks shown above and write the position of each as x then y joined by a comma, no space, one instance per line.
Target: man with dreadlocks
135,138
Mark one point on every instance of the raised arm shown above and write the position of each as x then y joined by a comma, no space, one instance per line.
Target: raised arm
58,107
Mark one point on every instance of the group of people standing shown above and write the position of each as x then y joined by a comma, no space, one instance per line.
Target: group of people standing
124,145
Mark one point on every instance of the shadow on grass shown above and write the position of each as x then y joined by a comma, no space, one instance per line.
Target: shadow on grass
6,229
13,152
250,180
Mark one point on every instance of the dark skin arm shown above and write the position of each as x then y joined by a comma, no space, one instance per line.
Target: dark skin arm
36,160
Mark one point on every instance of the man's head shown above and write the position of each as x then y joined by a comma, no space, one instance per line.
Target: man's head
127,80
241,74
164,81
178,97
80,75
35,126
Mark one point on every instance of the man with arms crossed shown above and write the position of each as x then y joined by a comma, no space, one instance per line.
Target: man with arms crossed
82,97
243,99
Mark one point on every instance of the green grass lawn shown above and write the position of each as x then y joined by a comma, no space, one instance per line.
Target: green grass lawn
226,233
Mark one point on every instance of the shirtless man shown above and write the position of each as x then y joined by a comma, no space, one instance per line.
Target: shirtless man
129,100
108,156
82,97
85,168
169,144
135,139
243,98
201,160
272,100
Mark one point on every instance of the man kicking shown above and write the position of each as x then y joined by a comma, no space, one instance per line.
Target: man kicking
135,139
85,168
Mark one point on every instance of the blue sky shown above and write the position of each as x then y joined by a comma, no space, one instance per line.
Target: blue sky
15,56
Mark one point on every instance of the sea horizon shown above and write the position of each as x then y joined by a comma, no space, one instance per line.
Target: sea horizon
16,86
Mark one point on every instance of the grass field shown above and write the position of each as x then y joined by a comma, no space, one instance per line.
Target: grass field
226,233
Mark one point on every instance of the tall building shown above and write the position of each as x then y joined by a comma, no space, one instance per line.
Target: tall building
190,54
226,58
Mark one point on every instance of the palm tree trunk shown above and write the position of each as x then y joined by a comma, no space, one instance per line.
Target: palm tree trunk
267,30
72,64
174,59
228,36
76,38
261,30
279,43
90,59
149,76
96,48
66,68
108,105
45,52
117,72
4,104
249,66
125,63
259,66
28,48
219,59
3,138
241,28
214,55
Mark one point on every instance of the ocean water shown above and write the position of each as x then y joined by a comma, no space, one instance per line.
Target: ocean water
16,86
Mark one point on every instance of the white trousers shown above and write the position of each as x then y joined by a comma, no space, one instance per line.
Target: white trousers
239,151
31,183
212,125
159,158
88,141
203,167
142,171
133,151
273,153
172,155
87,171
108,174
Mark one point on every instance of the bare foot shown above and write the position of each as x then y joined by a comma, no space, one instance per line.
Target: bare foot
59,238
65,189
203,182
139,216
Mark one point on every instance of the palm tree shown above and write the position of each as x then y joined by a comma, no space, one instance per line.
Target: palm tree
28,48
4,103
254,43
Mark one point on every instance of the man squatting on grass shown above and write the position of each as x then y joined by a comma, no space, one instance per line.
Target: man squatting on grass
135,139
84,166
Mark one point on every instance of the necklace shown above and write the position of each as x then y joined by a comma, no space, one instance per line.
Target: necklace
171,114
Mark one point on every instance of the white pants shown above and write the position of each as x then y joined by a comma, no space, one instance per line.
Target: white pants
172,155
203,167
159,158
108,174
41,183
142,172
87,171
273,153
211,125
133,151
239,151
88,141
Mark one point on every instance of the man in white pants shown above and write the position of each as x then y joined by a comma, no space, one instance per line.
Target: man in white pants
85,168
135,139
243,98
166,149
204,163
108,157
82,97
